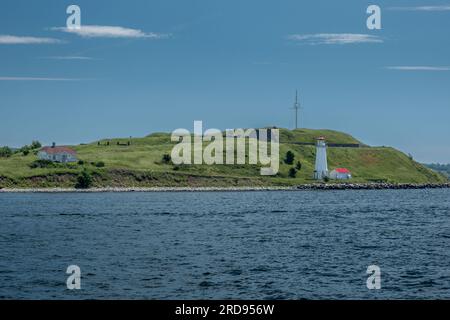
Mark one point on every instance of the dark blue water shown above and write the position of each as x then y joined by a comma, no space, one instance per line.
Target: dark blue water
225,245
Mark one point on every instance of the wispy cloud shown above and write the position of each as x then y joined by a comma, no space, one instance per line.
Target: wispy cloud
335,38
36,79
418,68
69,58
110,32
422,8
8,39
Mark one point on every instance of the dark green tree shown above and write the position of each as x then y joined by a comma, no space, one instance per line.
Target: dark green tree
292,173
289,157
35,145
166,158
298,166
84,180
5,152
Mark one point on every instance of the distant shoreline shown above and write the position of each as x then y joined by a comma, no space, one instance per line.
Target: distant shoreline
347,186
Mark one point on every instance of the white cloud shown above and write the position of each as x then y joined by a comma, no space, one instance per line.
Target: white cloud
36,79
418,68
110,32
422,8
335,38
8,39
69,58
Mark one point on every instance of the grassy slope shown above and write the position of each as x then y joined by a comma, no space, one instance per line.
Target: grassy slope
140,165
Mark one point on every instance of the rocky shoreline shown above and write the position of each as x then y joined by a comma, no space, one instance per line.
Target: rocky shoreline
318,186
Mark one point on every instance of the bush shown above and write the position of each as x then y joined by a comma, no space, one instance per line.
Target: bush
26,152
5,152
166,158
35,145
326,179
84,180
42,164
80,162
292,173
298,166
289,157
100,164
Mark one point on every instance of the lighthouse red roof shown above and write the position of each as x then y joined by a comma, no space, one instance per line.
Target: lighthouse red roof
342,170
55,150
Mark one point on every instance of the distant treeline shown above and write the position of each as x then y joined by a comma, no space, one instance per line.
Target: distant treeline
443,168
6,151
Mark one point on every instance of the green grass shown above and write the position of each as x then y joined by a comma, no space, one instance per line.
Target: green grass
140,164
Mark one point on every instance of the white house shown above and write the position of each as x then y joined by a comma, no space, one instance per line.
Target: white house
340,174
57,154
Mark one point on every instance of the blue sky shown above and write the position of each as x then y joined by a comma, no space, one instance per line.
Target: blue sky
229,63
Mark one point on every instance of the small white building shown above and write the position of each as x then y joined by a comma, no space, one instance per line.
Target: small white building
340,174
57,154
321,166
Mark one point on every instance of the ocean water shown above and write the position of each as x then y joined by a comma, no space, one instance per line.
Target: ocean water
226,245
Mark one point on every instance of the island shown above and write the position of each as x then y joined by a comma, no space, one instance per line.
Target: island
145,163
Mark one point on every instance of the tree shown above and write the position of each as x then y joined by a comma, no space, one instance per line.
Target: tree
166,158
5,152
298,166
35,144
292,173
289,157
84,180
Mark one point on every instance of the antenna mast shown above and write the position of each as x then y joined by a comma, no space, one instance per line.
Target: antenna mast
296,108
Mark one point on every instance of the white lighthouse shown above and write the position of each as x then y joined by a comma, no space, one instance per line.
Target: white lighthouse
321,167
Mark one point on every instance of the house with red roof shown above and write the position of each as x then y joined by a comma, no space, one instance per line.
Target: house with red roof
57,154
340,174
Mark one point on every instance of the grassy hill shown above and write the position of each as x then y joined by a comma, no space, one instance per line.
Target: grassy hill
140,164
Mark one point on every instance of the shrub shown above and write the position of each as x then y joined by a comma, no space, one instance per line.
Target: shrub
166,158
100,164
42,164
289,157
26,152
326,179
80,162
5,152
292,173
298,166
84,180
35,145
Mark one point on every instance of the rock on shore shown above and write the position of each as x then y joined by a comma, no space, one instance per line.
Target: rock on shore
316,186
